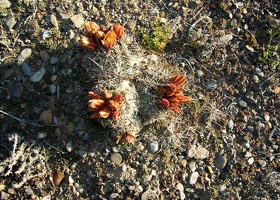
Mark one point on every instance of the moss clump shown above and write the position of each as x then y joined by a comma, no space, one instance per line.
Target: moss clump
156,39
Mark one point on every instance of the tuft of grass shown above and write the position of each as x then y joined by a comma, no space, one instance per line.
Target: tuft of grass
268,55
156,39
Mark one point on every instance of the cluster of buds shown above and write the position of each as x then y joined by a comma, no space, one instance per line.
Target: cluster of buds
172,95
105,106
99,36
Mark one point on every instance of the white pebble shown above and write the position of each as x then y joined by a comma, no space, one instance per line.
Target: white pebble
193,178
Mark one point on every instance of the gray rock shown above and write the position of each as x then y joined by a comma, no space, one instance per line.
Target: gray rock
259,72
262,163
11,22
153,147
69,146
17,91
54,20
46,34
220,162
230,124
28,191
193,178
24,55
45,56
5,4
242,104
52,88
64,58
225,39
222,188
37,76
82,153
78,20
90,174
276,131
274,22
191,152
211,85
201,153
116,158
26,69
8,73
233,109
54,60
50,69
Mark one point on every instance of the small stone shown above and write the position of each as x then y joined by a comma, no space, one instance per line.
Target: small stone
46,117
153,147
54,20
8,73
191,152
274,22
148,194
82,153
11,191
90,174
11,22
52,88
192,165
46,34
114,196
70,180
138,189
256,79
78,20
276,131
230,124
4,195
45,56
24,55
211,85
248,154
54,60
26,69
201,153
28,191
200,73
180,187
242,104
64,58
37,76
259,72
246,145
262,163
222,188
226,38
193,178
124,168
50,69
116,158
41,135
5,4
69,146
251,161
57,177
220,162
266,117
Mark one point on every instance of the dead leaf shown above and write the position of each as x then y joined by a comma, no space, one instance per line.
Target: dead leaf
57,177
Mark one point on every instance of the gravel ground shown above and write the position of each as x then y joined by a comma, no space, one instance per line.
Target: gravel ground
224,144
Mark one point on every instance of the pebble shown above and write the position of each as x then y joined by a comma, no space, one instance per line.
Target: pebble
8,73
4,195
138,189
124,168
24,55
230,124
54,60
211,85
193,178
191,152
5,4
276,131
90,174
152,147
266,117
255,79
50,69
180,187
250,97
192,165
262,163
242,104
220,162
11,22
251,161
41,135
259,72
69,146
52,88
274,22
78,20
201,153
82,153
17,91
225,39
46,34
26,69
64,58
45,56
116,158
114,196
222,188
11,191
70,180
37,76
28,191
54,20
200,73
148,194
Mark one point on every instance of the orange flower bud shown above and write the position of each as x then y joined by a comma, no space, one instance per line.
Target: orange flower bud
165,102
113,105
119,30
105,112
93,95
99,36
118,98
88,43
115,115
176,109
91,28
96,104
178,80
110,39
183,99
107,94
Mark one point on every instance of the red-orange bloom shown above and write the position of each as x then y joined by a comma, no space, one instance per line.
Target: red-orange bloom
119,30
88,43
106,106
172,95
110,39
